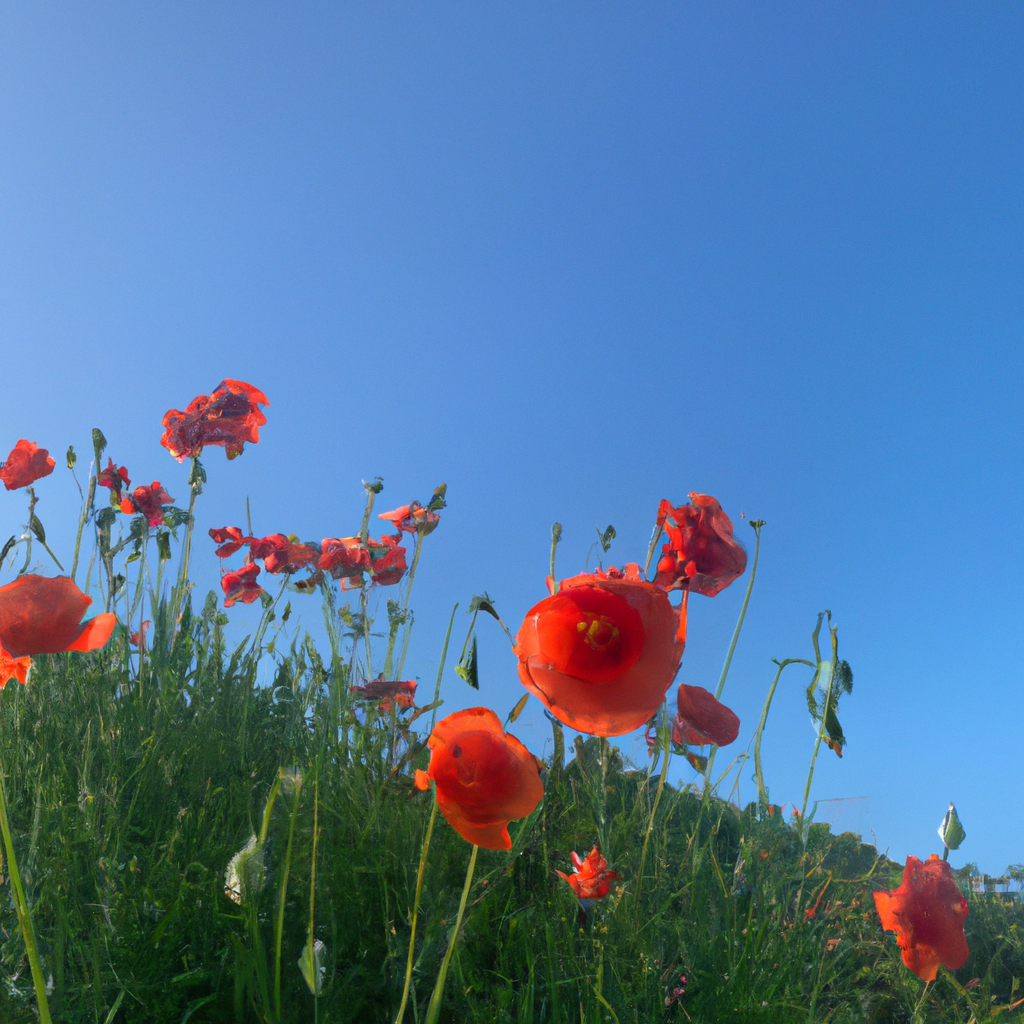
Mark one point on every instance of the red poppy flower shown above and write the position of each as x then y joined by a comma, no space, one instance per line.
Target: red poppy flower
927,914
230,539
413,518
147,501
229,417
601,653
702,555
485,777
282,554
13,668
115,478
344,556
402,692
26,464
387,559
43,615
241,585
702,719
590,879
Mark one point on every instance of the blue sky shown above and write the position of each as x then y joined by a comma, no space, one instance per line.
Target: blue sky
570,261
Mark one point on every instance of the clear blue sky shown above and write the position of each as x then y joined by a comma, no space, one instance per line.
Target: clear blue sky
570,260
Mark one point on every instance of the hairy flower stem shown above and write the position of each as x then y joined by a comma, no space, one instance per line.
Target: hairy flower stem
279,924
667,756
98,444
21,907
756,525
762,790
434,1009
415,912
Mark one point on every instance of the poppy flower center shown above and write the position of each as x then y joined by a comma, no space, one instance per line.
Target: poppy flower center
591,633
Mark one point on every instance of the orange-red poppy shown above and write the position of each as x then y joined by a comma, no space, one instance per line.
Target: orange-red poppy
282,554
701,554
927,914
148,501
228,417
701,719
387,559
230,539
601,653
241,585
590,879
402,692
485,777
43,615
343,557
26,464
114,477
413,518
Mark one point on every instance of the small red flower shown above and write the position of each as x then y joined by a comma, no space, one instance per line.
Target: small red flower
241,585
601,653
402,692
230,539
702,555
343,557
43,615
148,501
387,560
927,914
229,417
26,464
282,554
702,719
134,638
115,478
590,879
485,777
413,518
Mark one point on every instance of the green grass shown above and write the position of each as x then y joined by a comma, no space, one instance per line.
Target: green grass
130,793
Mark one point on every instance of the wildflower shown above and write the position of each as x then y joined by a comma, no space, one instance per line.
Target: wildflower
43,615
413,518
402,692
241,585
114,477
702,555
601,653
230,539
26,464
590,879
283,554
148,501
927,913
228,417
485,777
343,557
135,638
387,560
702,719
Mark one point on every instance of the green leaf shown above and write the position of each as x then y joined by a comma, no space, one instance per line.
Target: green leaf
37,528
469,671
7,547
163,545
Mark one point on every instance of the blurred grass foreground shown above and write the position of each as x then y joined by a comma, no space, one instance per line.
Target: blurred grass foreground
182,844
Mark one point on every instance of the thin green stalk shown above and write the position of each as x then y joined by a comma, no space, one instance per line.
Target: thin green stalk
405,605
920,1003
99,442
279,925
556,536
666,758
21,907
762,791
434,1009
415,913
440,668
756,525
824,716
195,481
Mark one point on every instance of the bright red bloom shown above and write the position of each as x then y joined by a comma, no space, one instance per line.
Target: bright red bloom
702,555
43,615
115,478
343,557
241,585
601,653
387,559
230,539
413,518
927,914
590,879
148,501
702,719
402,692
26,464
229,417
485,777
282,554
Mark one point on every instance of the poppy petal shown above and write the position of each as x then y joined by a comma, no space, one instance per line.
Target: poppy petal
95,633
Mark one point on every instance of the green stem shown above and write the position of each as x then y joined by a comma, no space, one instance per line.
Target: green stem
279,925
440,669
556,536
756,524
90,497
405,605
667,755
824,716
415,912
24,919
762,791
178,595
434,1009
